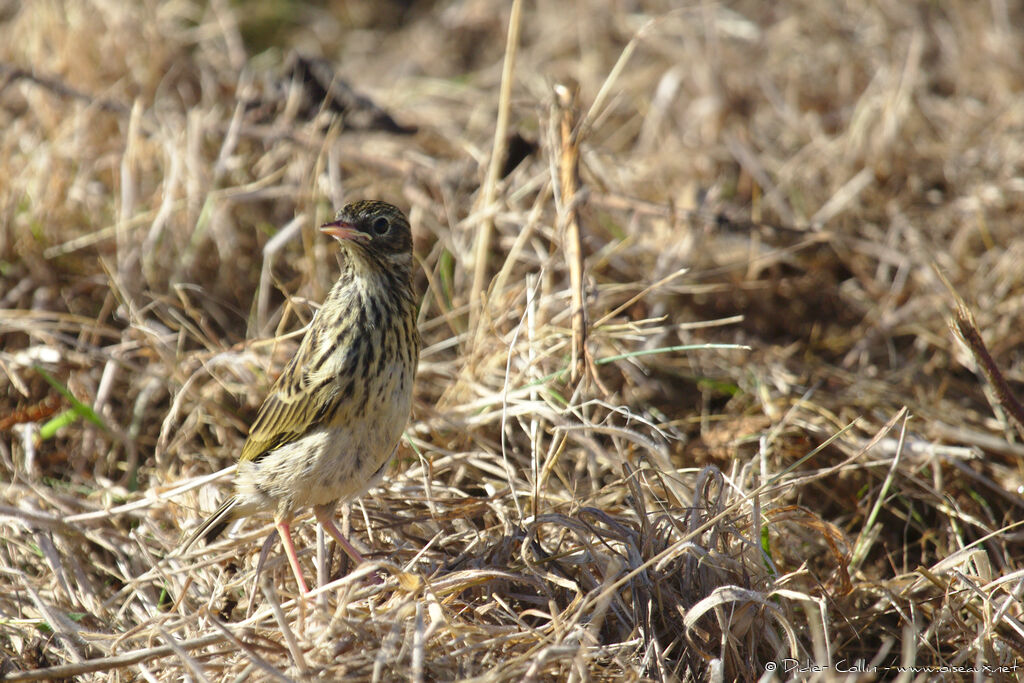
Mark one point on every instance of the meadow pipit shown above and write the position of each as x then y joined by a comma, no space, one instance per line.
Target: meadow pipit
334,417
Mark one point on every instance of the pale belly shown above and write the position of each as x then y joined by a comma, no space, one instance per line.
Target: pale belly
335,462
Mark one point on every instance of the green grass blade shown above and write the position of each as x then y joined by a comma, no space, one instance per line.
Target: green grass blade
77,406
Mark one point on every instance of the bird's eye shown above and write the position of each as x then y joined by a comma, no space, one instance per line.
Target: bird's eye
380,225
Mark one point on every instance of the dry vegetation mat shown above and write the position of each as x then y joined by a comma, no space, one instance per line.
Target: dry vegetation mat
689,405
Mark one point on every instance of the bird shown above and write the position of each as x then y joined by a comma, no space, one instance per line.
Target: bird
333,419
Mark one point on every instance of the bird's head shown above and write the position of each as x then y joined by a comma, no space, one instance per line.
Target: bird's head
374,231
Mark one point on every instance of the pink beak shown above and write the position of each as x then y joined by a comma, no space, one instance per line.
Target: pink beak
343,230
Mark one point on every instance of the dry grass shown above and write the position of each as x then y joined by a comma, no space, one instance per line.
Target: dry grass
579,497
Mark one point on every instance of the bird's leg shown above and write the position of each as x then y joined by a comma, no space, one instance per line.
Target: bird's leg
289,548
324,516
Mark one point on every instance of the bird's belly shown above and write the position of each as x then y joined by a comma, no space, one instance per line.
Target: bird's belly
337,460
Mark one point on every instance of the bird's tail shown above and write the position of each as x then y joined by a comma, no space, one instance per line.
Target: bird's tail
215,524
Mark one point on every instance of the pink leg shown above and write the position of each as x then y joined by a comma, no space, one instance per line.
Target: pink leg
323,515
289,549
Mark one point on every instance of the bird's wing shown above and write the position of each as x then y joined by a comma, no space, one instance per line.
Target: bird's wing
290,410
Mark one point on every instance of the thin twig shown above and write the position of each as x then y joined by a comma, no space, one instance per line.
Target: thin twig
489,190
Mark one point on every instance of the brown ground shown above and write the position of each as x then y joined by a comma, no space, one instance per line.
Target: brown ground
832,480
